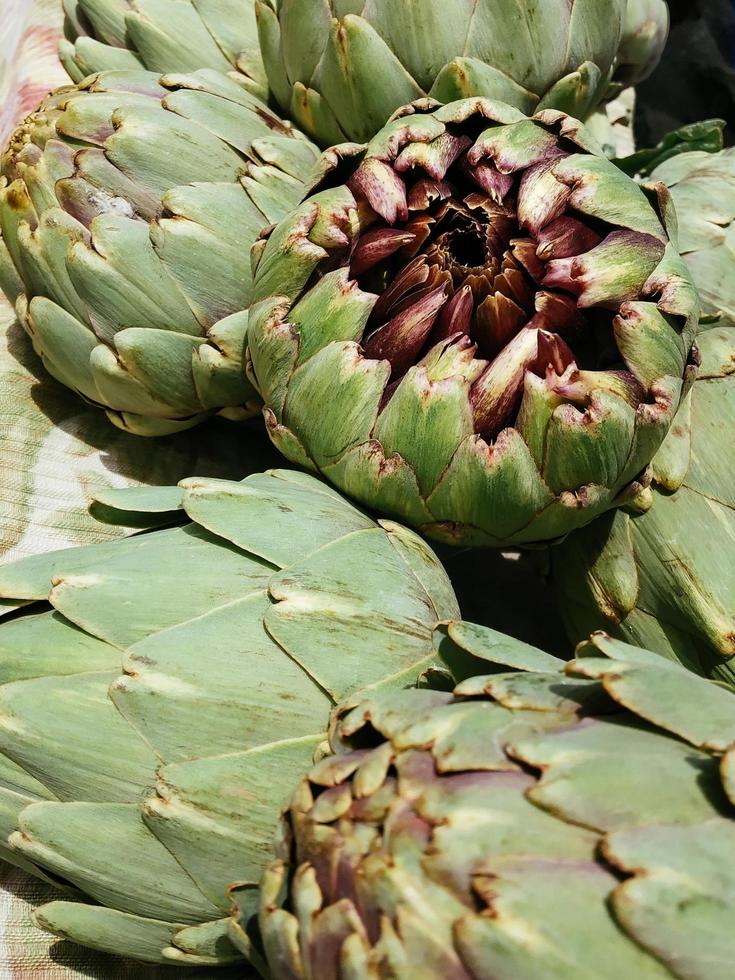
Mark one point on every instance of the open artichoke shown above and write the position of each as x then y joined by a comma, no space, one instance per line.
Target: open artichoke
163,36
160,695
477,324
665,578
128,206
536,823
339,69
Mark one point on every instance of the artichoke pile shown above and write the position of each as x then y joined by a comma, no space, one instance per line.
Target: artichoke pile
251,733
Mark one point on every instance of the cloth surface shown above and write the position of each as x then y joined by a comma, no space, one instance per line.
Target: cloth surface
27,953
54,451
29,67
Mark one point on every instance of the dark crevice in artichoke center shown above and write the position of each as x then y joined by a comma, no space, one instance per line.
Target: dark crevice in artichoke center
465,248
459,269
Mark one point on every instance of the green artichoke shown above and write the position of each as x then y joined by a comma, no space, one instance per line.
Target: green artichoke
645,32
339,69
477,324
161,694
665,579
163,36
128,206
537,823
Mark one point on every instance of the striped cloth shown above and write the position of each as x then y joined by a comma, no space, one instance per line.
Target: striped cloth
54,451
29,33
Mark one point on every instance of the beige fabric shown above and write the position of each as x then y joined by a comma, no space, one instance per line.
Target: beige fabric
26,953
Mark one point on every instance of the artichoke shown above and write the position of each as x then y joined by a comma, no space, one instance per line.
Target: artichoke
340,69
161,693
645,32
477,324
128,207
665,579
163,36
535,823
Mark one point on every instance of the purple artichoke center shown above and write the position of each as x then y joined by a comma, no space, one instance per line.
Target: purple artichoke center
455,259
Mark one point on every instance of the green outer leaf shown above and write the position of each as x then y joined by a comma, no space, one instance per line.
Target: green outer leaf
678,909
165,36
361,99
192,667
91,845
351,384
107,930
214,815
462,78
497,648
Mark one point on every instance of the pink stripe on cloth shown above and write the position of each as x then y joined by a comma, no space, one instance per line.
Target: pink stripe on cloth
29,63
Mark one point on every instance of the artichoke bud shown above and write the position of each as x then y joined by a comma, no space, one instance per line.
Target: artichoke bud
645,31
341,69
493,831
129,203
478,231
146,756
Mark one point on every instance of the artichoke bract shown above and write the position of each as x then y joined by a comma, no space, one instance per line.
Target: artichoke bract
128,206
163,36
340,69
702,187
538,822
665,578
477,324
162,693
